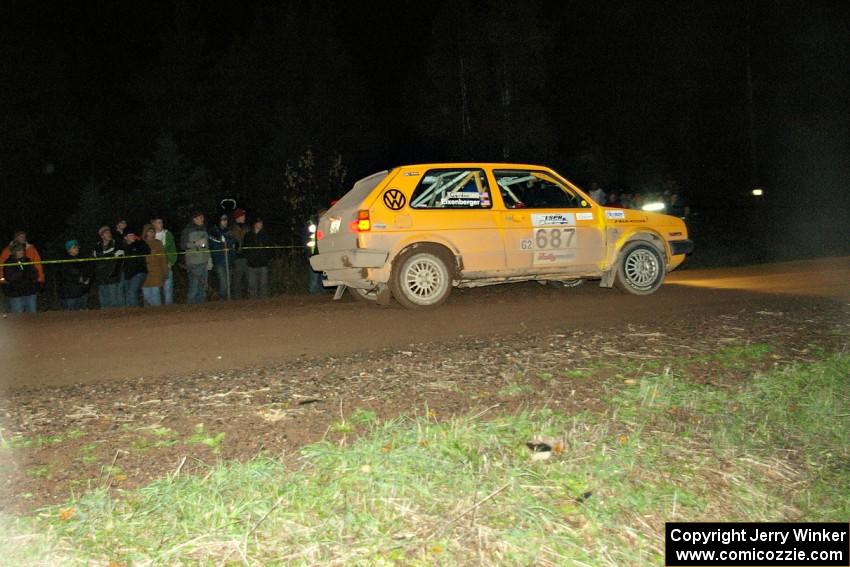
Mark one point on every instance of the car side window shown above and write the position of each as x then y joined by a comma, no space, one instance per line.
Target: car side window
452,189
536,190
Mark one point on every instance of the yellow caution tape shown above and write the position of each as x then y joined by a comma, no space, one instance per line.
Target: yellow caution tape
124,256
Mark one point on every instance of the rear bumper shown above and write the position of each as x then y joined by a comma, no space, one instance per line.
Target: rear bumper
681,247
348,259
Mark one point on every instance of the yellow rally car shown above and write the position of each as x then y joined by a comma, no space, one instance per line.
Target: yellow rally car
416,231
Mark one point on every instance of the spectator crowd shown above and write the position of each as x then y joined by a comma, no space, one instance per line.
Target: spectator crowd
131,267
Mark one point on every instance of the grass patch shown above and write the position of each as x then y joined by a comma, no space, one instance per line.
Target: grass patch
514,389
422,492
202,437
30,442
39,471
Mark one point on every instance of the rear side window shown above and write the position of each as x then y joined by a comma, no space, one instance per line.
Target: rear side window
452,189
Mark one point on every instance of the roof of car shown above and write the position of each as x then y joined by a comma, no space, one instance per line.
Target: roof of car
473,164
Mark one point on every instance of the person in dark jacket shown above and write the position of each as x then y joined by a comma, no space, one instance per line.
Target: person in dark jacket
258,257
239,277
135,266
74,279
20,280
195,241
107,271
223,251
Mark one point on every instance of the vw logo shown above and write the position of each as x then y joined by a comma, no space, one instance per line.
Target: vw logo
394,199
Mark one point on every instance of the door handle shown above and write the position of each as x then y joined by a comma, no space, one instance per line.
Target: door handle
517,218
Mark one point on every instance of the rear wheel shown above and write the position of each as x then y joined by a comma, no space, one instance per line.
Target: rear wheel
366,295
641,269
421,277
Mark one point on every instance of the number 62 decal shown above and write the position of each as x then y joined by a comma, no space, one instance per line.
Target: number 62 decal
550,239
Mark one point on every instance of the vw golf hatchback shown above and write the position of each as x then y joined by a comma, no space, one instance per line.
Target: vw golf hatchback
417,231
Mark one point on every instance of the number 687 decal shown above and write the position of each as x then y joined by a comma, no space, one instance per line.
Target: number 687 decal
550,239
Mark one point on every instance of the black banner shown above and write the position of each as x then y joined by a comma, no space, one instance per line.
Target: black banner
691,544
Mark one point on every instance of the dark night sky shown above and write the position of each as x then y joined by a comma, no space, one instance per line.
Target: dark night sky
624,92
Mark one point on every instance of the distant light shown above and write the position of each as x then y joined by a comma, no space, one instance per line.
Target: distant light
758,192
653,207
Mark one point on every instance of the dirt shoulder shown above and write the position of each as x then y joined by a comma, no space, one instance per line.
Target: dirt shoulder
57,348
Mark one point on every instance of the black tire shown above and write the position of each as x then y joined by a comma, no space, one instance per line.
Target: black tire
641,269
364,295
422,277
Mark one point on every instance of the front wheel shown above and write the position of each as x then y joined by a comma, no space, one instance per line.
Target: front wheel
641,269
421,278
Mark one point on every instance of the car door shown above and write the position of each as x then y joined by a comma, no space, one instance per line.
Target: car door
548,226
454,205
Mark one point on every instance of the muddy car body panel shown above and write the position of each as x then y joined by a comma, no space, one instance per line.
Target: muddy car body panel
489,223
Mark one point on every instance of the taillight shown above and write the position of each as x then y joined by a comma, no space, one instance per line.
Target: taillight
320,234
362,224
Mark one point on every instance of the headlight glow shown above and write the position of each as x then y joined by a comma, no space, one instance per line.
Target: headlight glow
654,207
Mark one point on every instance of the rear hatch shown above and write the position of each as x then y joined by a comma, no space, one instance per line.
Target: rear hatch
335,225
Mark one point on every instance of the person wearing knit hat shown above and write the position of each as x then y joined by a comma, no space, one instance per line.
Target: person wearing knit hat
31,252
107,270
74,279
239,275
19,279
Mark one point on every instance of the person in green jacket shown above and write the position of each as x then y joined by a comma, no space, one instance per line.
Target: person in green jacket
167,238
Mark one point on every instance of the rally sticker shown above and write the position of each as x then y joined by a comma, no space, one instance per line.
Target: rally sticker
335,222
553,219
584,216
615,214
550,258
461,199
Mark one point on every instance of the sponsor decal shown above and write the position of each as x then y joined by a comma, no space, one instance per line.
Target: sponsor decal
553,257
394,199
411,173
584,216
379,225
461,199
335,222
553,219
627,221
615,214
